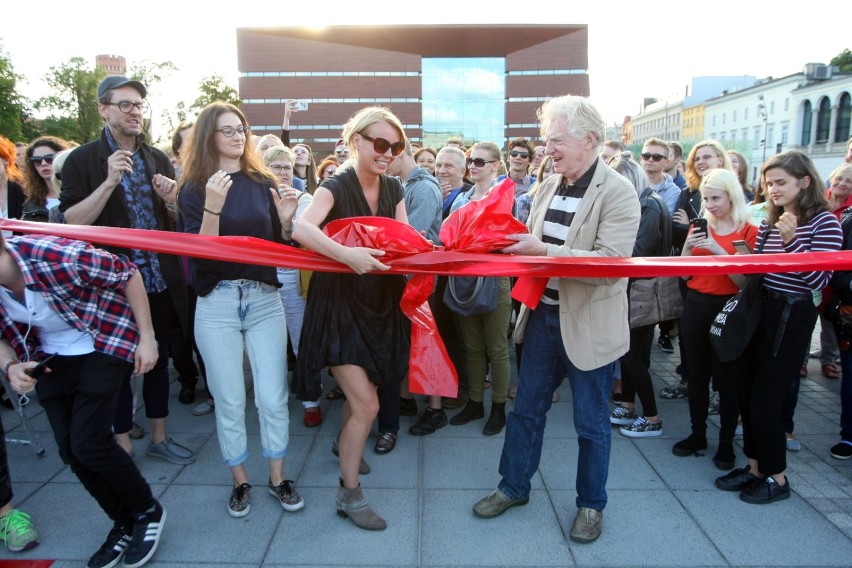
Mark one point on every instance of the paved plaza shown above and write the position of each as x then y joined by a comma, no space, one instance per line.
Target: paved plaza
663,511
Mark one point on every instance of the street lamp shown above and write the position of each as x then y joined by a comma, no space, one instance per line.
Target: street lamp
761,110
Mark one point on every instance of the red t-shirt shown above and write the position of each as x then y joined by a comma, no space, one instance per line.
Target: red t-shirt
720,284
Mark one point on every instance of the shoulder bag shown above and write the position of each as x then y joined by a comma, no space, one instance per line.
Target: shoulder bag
472,295
734,326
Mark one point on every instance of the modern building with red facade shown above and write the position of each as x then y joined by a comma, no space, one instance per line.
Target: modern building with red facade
483,83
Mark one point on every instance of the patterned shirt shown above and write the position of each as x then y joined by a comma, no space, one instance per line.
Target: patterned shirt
139,198
83,285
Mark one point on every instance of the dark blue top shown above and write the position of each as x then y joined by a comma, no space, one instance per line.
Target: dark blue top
248,212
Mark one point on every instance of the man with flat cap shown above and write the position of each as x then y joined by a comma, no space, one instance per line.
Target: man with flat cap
120,181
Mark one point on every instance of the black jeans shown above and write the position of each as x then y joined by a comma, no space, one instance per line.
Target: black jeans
155,387
5,480
79,397
699,311
635,377
763,379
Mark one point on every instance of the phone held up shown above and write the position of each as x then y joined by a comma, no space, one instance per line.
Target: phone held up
39,369
700,224
741,247
299,106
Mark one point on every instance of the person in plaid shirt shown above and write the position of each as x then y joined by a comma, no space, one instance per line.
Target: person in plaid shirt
87,309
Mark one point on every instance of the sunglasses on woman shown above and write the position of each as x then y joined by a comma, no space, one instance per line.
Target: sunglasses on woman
479,162
37,160
381,145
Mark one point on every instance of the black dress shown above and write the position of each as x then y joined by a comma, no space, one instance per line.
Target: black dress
351,319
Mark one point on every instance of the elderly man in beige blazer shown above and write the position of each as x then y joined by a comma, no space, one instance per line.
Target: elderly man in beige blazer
579,327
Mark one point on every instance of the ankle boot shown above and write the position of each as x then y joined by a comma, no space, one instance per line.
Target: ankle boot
352,503
472,411
497,419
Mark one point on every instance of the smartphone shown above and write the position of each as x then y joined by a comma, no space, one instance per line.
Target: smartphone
700,224
38,370
742,246
300,106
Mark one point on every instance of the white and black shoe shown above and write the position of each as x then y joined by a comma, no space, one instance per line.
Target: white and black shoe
112,550
147,530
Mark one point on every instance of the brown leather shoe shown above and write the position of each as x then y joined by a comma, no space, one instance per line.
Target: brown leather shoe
386,443
587,525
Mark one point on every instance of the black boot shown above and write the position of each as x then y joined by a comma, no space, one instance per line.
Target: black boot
497,420
472,411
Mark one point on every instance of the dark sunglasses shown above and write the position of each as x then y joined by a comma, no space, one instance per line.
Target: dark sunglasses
515,154
478,162
37,160
381,145
655,157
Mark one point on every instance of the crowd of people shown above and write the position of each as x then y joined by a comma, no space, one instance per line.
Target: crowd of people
102,316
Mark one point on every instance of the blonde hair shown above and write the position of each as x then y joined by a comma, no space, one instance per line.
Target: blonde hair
367,117
726,181
693,178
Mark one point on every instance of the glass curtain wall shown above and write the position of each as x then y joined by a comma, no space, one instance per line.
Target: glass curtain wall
464,96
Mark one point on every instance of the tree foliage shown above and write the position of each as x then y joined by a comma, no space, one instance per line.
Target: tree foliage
72,103
843,61
12,109
213,88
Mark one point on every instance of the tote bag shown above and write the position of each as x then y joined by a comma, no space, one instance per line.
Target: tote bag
472,295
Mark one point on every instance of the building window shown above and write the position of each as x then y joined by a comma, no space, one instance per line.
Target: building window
548,72
464,96
734,117
757,138
786,104
807,119
844,118
745,113
724,114
785,131
772,107
823,121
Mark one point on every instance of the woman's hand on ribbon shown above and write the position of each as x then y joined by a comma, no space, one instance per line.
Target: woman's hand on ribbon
362,260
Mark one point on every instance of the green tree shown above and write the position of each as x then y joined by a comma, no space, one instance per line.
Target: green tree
12,109
213,88
843,61
73,101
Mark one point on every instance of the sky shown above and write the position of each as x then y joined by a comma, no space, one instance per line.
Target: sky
636,49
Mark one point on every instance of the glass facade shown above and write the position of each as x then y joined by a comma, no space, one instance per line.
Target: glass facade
464,96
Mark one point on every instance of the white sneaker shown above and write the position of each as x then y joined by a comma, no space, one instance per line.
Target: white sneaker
622,416
641,428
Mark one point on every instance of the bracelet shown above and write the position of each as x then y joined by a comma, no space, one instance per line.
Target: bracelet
9,364
289,231
217,213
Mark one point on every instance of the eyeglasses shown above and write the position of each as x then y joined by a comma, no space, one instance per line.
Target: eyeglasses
228,131
37,160
127,107
280,168
478,162
343,152
655,157
516,153
381,145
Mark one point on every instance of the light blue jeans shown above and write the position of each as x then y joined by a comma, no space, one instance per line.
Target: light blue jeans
238,315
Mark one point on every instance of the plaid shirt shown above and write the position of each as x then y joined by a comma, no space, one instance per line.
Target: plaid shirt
83,285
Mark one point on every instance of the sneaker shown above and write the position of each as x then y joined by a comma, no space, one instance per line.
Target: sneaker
665,343
203,408
429,422
239,504
677,390
713,407
642,428
842,451
690,446
17,531
793,445
765,491
622,416
147,529
725,458
170,451
737,480
286,495
112,550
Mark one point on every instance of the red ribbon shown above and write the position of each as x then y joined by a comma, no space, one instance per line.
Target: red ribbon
411,254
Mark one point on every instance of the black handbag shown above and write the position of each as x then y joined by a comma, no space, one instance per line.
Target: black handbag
472,295
734,326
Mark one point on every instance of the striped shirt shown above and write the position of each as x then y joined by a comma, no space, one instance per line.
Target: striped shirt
557,221
821,234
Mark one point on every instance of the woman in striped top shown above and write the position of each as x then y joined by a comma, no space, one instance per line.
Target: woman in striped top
798,221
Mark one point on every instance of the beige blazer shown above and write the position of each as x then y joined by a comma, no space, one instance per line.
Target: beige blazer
592,311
